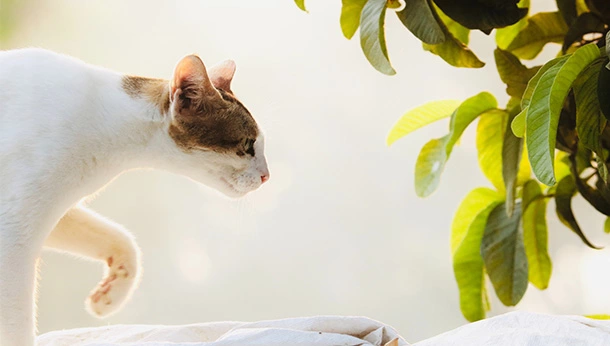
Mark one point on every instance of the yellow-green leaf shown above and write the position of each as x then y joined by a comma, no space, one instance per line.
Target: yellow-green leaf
454,50
607,225
350,16
455,53
301,4
504,36
420,117
598,317
466,234
393,4
518,124
429,166
561,167
490,134
433,156
525,172
513,73
541,29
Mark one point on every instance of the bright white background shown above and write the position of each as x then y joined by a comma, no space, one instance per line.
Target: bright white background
338,228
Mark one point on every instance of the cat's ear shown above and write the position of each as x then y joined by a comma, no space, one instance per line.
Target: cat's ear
222,74
191,84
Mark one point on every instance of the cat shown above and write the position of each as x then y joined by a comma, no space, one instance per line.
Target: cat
68,128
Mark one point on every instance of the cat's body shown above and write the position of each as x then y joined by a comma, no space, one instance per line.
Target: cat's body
68,128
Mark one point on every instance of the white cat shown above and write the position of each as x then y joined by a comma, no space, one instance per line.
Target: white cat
68,128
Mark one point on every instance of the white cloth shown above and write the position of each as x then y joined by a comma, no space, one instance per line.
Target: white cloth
312,331
512,329
527,329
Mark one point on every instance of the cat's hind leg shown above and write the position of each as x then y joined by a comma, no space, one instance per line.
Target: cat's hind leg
85,233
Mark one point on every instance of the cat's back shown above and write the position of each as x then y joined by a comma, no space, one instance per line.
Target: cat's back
32,78
30,66
42,89
45,99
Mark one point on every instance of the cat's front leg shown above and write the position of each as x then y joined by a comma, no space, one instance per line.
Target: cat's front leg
86,233
18,259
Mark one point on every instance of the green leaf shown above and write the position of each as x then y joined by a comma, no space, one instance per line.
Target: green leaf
589,120
467,231
533,82
483,15
505,36
372,36
420,117
504,255
490,132
563,206
607,225
417,16
454,50
301,4
579,163
602,168
545,107
512,149
513,73
350,16
541,29
433,156
535,235
603,85
608,47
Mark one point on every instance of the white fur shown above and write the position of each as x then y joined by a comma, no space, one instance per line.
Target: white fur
66,130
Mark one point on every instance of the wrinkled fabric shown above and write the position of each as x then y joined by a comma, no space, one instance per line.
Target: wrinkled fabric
512,329
524,328
310,331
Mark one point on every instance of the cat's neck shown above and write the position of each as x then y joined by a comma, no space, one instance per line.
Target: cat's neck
136,118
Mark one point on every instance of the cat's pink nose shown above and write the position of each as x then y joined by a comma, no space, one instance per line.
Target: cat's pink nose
264,177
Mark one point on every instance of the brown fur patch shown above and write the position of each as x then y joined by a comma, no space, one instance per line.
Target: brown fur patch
218,124
153,90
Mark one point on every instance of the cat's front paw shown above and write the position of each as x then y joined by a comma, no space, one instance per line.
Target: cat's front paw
114,290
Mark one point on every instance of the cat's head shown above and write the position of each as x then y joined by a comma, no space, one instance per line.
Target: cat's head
218,139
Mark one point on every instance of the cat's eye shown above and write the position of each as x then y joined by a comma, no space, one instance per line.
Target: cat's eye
249,146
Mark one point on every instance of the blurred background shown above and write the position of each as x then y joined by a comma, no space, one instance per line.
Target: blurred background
338,229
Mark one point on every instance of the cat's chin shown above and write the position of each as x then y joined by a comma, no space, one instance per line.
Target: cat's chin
230,191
